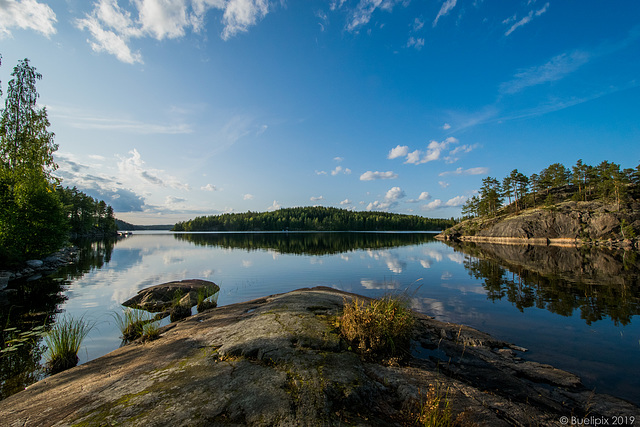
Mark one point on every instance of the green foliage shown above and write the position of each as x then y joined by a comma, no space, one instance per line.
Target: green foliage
379,327
63,341
33,219
86,215
314,219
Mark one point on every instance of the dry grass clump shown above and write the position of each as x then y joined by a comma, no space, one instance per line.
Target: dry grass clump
378,327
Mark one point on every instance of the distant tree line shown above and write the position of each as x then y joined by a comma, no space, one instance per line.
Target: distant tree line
313,219
605,181
36,213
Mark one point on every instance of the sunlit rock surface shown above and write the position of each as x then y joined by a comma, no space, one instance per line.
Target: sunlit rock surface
279,360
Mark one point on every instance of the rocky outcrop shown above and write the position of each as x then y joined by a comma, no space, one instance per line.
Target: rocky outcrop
567,223
160,298
279,360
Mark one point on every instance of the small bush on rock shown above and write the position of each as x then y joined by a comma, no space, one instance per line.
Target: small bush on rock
381,327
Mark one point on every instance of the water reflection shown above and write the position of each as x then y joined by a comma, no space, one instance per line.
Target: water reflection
29,308
599,283
307,243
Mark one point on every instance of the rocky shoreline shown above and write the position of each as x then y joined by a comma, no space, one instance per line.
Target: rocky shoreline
279,360
36,268
564,224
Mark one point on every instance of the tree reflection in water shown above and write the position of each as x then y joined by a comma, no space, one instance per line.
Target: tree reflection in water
598,282
29,309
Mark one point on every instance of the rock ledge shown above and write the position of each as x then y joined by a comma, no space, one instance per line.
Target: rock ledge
279,361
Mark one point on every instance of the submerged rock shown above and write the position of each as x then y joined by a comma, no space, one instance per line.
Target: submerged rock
161,297
279,360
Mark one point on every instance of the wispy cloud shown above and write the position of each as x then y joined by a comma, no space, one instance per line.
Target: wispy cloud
532,14
26,15
555,69
471,171
370,176
361,15
316,198
446,7
417,43
81,120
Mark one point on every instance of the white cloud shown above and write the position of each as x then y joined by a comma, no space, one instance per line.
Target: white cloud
443,184
390,200
370,176
423,196
133,170
321,172
26,15
239,15
532,14
417,157
399,151
470,171
437,203
340,169
446,126
247,197
112,28
209,187
316,198
433,205
346,202
274,207
456,201
338,159
446,7
555,69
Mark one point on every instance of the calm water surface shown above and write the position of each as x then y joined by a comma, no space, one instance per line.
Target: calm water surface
576,311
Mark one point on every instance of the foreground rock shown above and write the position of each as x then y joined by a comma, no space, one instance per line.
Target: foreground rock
159,298
279,361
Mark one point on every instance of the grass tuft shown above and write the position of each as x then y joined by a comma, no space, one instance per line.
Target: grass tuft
151,331
379,327
63,342
131,323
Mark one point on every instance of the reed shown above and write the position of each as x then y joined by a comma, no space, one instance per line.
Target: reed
63,342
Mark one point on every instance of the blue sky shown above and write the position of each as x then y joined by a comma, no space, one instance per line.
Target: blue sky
168,109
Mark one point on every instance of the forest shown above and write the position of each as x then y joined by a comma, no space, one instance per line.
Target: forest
37,215
313,219
583,182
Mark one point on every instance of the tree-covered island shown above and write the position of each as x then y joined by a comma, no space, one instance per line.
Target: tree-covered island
37,215
314,219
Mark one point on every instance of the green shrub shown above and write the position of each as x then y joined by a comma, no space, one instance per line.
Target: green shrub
381,327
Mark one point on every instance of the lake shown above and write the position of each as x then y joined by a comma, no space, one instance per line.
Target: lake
576,309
